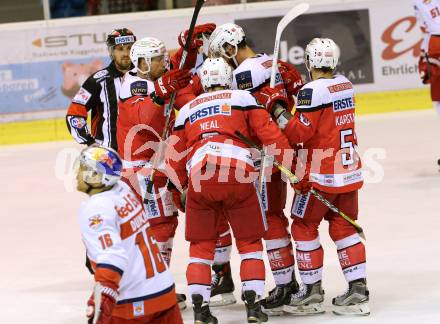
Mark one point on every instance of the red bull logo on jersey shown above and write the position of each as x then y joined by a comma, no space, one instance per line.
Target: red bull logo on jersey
210,111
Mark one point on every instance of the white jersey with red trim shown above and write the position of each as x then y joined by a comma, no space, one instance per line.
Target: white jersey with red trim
254,73
117,236
324,122
428,15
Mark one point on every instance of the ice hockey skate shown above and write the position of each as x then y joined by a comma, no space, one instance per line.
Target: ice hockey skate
354,301
222,286
202,314
307,301
273,305
253,308
181,301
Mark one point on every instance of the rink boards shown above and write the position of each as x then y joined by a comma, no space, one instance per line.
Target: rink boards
366,103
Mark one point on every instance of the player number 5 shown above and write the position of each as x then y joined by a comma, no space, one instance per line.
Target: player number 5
346,158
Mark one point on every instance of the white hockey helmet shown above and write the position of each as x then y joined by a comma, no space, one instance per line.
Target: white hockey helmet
223,35
147,48
215,72
100,165
322,53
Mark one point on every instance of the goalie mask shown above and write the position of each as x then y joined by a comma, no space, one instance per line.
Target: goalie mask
215,72
322,53
147,48
226,34
100,166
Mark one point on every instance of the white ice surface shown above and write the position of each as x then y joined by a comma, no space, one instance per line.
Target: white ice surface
43,279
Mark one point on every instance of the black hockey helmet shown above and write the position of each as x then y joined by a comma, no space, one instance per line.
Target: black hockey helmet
120,36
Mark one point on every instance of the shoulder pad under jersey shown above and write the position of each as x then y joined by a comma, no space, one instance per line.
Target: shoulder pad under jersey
313,96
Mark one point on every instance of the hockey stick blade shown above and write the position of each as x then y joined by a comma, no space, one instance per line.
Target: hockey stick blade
294,179
287,19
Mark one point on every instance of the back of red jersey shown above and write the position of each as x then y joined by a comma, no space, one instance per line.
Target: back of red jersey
324,122
208,124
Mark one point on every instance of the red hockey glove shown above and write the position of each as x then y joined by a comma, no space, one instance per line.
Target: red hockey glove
303,186
196,40
108,301
168,83
291,77
269,97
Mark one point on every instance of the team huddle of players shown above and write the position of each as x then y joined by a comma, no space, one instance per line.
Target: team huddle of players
145,161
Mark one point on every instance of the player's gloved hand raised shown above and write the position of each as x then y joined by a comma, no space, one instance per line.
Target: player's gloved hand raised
196,39
169,82
271,97
108,301
291,77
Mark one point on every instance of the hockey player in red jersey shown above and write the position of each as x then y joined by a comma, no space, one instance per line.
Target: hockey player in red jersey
324,122
141,120
134,284
220,169
252,73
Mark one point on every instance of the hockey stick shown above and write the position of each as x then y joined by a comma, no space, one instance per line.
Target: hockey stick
97,297
287,19
293,179
169,107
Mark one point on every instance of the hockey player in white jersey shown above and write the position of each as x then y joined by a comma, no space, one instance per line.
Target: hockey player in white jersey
135,285
428,16
252,73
